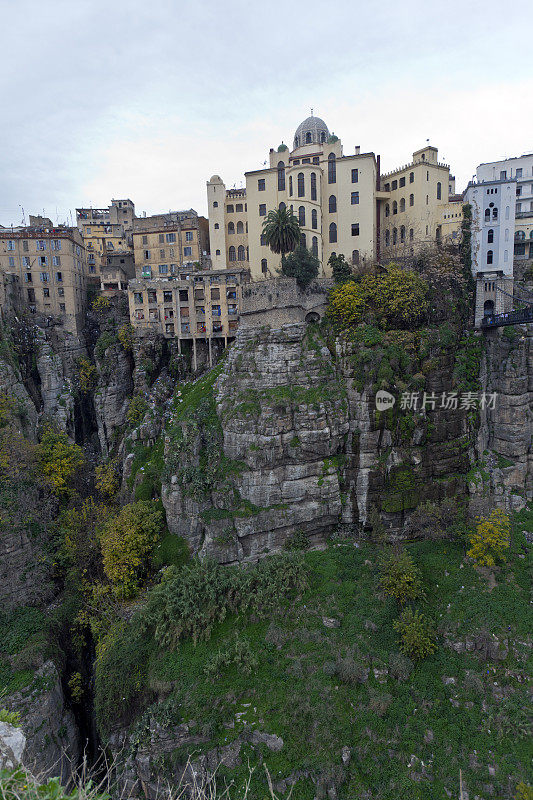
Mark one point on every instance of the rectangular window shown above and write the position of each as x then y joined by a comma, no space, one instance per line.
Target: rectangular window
171,237
59,277
518,191
60,292
11,261
163,269
394,185
138,297
145,239
402,182
28,277
56,244
355,198
262,210
167,297
25,246
43,260
230,209
41,244
503,174
62,307
355,175
184,296
215,311
10,244
519,172
56,261
25,261
161,238
44,277
146,254
189,236
187,251
261,185
46,292
355,229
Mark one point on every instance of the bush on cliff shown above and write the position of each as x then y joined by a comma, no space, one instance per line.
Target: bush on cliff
416,634
302,265
491,539
401,578
396,298
127,543
60,460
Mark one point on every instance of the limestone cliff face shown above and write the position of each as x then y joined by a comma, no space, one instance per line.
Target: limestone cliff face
47,741
504,444
113,393
306,452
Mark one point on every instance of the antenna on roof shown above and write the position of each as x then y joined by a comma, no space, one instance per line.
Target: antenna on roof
311,112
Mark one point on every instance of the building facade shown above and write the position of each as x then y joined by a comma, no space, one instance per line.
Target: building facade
199,309
164,243
48,264
105,231
420,207
334,196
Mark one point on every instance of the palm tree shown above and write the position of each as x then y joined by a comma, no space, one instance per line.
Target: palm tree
281,231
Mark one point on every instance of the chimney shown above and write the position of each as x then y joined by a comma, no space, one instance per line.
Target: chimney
357,149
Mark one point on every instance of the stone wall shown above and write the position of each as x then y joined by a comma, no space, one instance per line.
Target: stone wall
279,301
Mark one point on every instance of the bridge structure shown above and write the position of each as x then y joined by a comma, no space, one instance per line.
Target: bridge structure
517,316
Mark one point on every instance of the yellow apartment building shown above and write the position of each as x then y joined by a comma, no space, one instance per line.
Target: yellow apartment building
419,207
105,231
333,195
199,309
48,263
164,243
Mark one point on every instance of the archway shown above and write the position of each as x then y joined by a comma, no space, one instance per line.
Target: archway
488,308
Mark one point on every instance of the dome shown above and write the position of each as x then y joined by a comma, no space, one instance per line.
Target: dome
216,179
312,130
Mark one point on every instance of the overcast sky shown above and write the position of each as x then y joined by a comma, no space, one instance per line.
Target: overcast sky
147,100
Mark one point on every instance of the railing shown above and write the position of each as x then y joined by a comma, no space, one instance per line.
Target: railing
521,316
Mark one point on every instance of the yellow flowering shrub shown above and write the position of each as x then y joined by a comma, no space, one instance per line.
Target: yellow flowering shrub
86,374
125,336
127,542
396,298
491,539
59,459
101,304
107,481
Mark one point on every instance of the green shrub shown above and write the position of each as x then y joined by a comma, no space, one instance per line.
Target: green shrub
190,601
491,539
416,634
10,717
400,578
238,653
400,667
136,409
524,791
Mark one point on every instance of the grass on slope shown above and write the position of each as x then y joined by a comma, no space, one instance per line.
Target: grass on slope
409,735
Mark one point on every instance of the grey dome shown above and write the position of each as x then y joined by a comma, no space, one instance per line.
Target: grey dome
312,130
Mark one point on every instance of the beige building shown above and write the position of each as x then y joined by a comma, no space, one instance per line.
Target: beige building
116,270
419,206
199,309
164,243
48,264
333,195
105,231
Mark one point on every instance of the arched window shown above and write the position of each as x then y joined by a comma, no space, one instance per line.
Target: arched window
313,186
281,176
519,236
241,253
314,247
217,252
264,266
314,219
301,185
262,240
402,233
439,191
215,204
231,227
490,236
217,226
490,256
303,240
402,204
308,137
323,136
395,207
247,253
487,214
394,235
411,177
231,254
240,227
282,206
333,232
411,234
506,212
332,168
301,216
494,213
332,204
290,185
387,210
411,199
387,237
355,257
296,141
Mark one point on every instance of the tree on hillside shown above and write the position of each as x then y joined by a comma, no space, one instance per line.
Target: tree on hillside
302,265
281,231
340,269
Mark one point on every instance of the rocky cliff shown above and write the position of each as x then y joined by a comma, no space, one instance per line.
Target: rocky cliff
294,443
